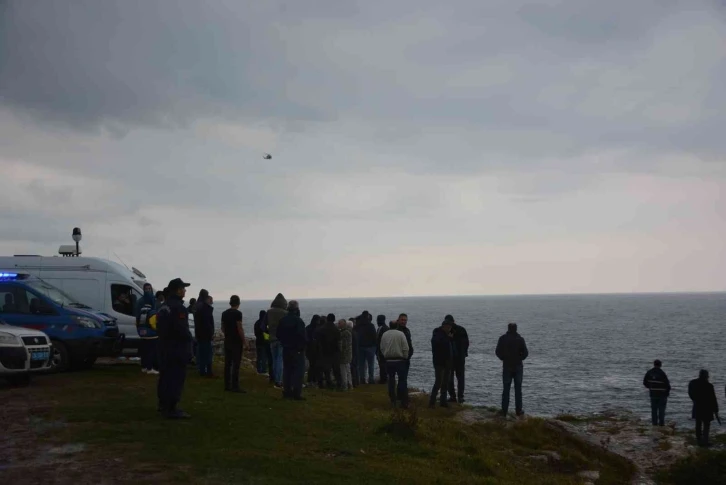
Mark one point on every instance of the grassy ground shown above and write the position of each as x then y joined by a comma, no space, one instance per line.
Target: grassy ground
258,438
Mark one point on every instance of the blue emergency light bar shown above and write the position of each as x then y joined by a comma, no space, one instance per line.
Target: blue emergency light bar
12,276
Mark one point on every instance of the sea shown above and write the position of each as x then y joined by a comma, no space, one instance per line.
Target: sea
587,353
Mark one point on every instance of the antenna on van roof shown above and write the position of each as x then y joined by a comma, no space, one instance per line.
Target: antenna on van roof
122,261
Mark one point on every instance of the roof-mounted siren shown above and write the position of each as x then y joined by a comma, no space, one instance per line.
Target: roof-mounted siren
138,273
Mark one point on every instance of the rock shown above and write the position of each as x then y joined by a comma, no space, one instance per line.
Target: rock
590,475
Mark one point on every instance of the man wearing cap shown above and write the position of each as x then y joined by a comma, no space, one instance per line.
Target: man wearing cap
175,342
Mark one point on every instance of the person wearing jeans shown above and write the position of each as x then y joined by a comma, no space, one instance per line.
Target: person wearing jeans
657,382
367,339
395,350
277,311
512,351
443,355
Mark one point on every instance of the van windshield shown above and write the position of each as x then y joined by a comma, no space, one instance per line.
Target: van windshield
55,294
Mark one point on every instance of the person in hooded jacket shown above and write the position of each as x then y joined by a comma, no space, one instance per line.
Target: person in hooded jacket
192,305
512,351
291,336
146,306
442,350
461,352
705,406
328,342
311,350
367,339
657,382
346,354
204,333
262,345
277,311
382,327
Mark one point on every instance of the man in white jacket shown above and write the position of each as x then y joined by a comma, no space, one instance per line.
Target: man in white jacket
394,348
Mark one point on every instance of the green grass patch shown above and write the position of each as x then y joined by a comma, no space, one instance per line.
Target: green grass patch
332,437
703,468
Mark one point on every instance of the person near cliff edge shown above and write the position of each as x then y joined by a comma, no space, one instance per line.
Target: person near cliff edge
442,350
327,337
461,352
204,333
705,406
311,350
366,337
175,342
660,388
262,345
291,336
394,347
512,351
382,328
234,343
277,311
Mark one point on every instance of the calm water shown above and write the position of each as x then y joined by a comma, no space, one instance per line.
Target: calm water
587,352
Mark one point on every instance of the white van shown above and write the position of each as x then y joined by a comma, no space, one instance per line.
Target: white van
95,282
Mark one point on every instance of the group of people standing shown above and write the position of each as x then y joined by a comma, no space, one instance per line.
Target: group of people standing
701,392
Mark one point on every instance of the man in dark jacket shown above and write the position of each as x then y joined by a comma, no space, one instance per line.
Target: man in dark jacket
291,335
311,350
234,343
328,343
657,382
512,351
705,406
461,352
382,327
204,333
366,333
174,348
442,350
262,345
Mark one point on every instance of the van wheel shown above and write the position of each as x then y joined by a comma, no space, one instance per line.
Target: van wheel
21,380
59,358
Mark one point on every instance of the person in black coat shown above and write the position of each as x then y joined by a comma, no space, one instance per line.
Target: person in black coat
461,352
382,328
311,351
512,351
660,388
705,406
366,338
204,333
291,335
327,337
175,342
262,345
442,350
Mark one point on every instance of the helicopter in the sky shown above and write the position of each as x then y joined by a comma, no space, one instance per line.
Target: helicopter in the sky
267,156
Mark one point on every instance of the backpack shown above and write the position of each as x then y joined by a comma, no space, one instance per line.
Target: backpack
147,322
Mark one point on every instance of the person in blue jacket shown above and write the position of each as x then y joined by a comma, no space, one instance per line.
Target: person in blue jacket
145,308
175,343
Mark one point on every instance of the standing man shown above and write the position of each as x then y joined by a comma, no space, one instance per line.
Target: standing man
175,342
382,327
277,311
657,381
402,325
366,333
461,352
328,344
395,350
291,336
512,351
705,406
204,333
234,342
442,349
192,305
161,297
145,308
262,344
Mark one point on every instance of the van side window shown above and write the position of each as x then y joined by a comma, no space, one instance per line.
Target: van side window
124,299
14,299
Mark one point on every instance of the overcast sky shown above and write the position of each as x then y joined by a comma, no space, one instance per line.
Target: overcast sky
419,147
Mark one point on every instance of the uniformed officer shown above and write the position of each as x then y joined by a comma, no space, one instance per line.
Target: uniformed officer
175,342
